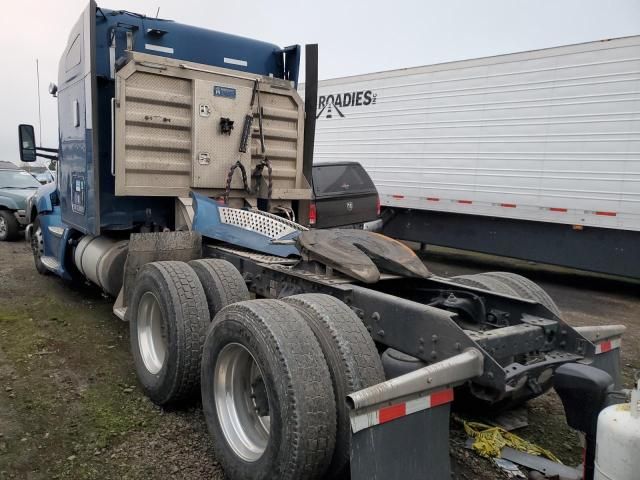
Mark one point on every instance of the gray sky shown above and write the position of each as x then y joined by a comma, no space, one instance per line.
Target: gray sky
354,36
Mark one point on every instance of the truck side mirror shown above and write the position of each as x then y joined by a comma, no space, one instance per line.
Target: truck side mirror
27,143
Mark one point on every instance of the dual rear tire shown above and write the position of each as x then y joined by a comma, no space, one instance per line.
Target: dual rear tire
168,316
310,352
273,374
169,312
266,393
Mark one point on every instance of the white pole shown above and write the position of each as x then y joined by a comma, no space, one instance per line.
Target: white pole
39,111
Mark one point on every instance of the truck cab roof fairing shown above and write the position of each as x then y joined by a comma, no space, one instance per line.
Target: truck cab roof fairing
118,30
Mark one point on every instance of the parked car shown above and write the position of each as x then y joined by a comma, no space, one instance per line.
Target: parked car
40,173
5,165
16,186
344,196
44,177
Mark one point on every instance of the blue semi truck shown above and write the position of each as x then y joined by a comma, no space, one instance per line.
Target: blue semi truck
183,191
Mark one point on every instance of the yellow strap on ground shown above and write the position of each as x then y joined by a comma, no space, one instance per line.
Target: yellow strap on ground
489,441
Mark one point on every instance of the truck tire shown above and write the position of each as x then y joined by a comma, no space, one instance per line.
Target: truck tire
9,227
352,357
525,288
517,286
510,284
168,318
267,394
222,282
37,247
481,280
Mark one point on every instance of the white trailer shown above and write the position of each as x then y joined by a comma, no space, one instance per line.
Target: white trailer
533,155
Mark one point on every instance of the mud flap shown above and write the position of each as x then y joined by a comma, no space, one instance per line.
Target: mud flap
608,341
609,361
412,446
400,428
584,391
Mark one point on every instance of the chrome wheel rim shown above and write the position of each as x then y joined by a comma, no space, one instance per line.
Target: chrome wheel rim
151,339
3,227
242,403
37,243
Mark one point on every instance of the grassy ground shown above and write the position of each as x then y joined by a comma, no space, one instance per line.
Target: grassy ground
70,406
69,403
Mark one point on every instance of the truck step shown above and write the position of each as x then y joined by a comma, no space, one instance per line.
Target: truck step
56,231
120,312
51,263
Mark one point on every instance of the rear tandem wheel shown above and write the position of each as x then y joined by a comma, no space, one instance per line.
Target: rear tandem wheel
515,285
512,284
352,357
266,393
222,282
168,317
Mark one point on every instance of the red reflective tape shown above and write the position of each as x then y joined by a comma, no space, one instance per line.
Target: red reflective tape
433,199
440,398
508,205
607,214
397,196
608,345
605,346
468,202
391,413
555,209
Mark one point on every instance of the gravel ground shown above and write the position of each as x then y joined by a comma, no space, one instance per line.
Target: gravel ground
70,406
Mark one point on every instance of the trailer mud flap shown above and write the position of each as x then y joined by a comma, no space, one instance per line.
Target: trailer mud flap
400,428
608,341
407,446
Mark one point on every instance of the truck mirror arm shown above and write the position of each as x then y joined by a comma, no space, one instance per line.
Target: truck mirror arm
48,157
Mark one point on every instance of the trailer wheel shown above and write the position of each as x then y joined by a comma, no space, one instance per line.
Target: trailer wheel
168,317
37,247
352,357
267,394
526,288
222,282
8,226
